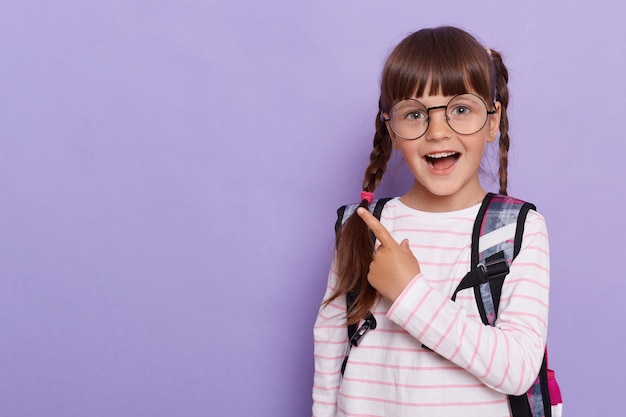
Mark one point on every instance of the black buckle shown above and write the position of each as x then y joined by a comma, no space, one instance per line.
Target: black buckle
483,277
495,266
368,323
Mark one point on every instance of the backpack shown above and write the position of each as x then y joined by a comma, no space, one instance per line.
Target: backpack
486,277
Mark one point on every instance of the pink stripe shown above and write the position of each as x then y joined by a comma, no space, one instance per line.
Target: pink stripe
433,317
430,231
333,388
538,249
385,348
328,358
493,356
323,316
412,386
390,331
407,368
520,326
412,404
385,214
325,403
532,264
521,378
525,297
330,326
444,281
336,305
442,248
445,334
347,414
410,216
331,316
327,373
508,364
465,297
419,304
458,348
542,234
529,280
464,219
475,353
524,314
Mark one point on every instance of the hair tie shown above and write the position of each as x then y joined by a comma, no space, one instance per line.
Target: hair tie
366,195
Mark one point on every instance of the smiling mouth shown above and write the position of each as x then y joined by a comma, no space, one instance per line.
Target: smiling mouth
442,160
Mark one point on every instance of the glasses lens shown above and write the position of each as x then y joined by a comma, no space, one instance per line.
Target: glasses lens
467,114
408,119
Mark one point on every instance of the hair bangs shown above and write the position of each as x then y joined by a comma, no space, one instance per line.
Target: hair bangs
443,60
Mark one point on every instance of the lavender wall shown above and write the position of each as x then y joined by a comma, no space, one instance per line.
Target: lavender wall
169,172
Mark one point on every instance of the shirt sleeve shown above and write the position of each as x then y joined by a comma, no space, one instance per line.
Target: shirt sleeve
506,357
330,344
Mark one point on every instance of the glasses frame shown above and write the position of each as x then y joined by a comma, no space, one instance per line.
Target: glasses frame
428,109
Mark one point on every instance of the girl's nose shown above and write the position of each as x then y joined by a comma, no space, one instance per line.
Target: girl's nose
438,127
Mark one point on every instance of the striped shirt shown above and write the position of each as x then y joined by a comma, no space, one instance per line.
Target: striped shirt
471,367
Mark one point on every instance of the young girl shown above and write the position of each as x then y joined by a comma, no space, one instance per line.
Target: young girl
443,100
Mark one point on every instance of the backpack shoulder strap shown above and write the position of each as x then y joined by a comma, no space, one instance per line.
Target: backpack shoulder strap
490,265
355,333
500,211
343,213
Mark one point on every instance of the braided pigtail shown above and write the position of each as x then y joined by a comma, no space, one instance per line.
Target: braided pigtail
355,247
502,95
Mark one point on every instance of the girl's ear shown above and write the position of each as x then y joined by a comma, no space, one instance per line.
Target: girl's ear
494,122
392,135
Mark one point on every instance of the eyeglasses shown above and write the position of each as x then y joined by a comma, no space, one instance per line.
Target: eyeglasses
466,114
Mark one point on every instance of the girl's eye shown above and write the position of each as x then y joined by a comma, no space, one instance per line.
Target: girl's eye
461,110
416,115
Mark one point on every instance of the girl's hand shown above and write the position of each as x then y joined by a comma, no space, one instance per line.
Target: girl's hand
394,265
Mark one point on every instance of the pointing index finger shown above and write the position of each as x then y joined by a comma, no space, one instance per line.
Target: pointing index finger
377,228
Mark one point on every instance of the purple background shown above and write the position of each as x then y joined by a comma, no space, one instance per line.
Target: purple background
170,170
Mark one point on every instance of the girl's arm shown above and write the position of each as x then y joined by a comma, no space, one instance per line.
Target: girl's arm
506,357
330,344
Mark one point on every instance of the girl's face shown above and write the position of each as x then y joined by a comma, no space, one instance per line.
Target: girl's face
445,163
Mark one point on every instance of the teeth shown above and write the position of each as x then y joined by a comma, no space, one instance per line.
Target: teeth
440,155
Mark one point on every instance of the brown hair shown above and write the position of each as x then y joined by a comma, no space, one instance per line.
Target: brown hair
448,61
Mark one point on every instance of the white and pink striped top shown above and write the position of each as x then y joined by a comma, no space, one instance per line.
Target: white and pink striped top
472,367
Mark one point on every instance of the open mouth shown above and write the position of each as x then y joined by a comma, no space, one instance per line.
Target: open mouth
442,160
